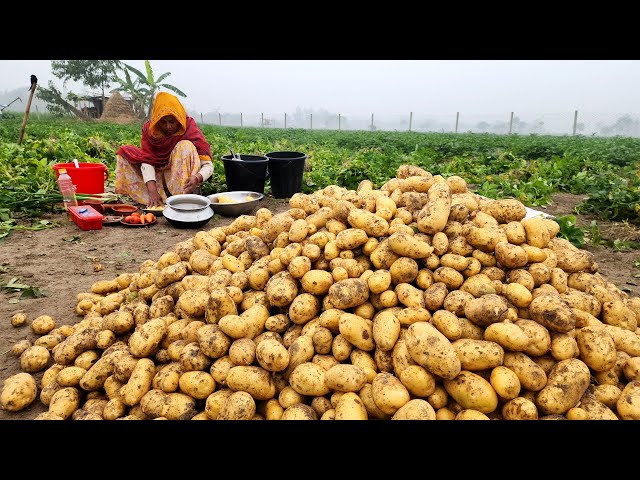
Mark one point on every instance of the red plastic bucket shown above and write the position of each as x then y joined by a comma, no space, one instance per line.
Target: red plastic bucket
89,178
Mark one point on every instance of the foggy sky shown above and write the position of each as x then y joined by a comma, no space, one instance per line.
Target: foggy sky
382,86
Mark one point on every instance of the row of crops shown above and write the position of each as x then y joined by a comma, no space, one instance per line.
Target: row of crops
529,168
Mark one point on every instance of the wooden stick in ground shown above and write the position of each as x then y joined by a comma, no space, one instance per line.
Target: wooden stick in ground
34,84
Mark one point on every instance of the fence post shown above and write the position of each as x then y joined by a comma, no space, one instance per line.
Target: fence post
262,120
311,121
372,122
338,122
219,119
241,119
285,120
510,123
575,122
410,120
457,118
201,120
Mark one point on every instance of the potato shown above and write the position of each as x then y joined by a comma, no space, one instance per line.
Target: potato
75,344
18,392
518,294
345,378
238,406
122,321
357,330
348,293
34,359
471,391
595,409
254,380
419,382
596,348
213,342
508,335
272,355
388,393
478,354
487,309
519,408
19,319
433,217
567,382
531,375
70,376
553,312
409,246
350,407
242,351
537,232
145,340
64,402
197,384
43,324
301,411
539,337
432,350
510,255
193,303
172,273
628,405
180,406
372,224
505,382
139,383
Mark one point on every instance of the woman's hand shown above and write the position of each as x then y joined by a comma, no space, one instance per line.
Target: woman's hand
155,200
193,182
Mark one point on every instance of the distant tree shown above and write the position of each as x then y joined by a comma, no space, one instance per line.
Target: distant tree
518,126
145,87
92,73
483,126
624,125
57,104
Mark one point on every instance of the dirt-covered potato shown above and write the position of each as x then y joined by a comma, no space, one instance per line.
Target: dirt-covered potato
20,347
18,392
567,382
43,324
34,359
432,350
19,319
471,391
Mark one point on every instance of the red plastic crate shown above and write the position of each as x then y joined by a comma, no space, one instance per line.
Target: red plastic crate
86,217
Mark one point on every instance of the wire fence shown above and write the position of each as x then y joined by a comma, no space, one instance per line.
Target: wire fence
521,123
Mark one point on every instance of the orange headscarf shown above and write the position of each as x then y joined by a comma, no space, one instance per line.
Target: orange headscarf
167,104
155,147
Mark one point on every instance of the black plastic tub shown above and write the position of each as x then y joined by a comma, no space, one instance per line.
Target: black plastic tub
285,172
245,174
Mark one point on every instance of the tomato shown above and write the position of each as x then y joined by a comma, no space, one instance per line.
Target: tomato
135,219
135,214
128,219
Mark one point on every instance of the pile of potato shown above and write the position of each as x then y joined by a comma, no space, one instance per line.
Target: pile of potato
420,300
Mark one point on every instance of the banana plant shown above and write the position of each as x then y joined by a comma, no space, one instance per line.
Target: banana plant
133,89
146,86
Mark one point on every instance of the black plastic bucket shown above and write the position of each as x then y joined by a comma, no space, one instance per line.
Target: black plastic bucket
285,171
246,174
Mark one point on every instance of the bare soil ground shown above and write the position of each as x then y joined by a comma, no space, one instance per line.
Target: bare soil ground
64,261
